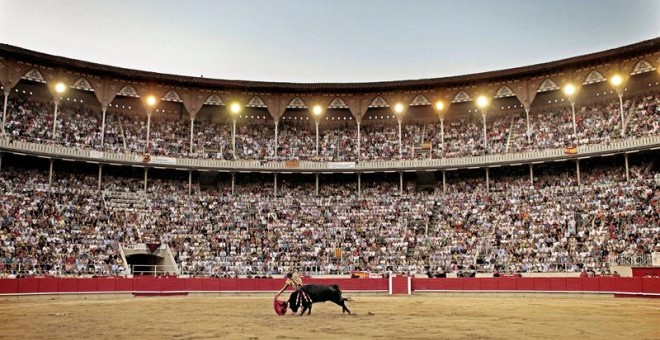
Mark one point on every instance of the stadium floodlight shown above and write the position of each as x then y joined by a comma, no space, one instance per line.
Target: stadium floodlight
617,81
398,108
440,110
569,90
482,102
235,108
60,87
317,110
151,101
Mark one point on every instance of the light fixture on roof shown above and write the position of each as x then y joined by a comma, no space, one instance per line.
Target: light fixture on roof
235,107
151,101
569,89
617,82
60,87
482,102
317,110
398,108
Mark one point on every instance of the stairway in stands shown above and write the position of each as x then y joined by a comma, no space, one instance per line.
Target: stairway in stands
126,201
123,134
126,204
410,254
435,216
414,228
423,240
517,131
423,135
629,115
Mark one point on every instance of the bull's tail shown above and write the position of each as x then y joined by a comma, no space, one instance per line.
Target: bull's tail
339,290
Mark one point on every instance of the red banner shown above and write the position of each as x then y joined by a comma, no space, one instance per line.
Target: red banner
292,164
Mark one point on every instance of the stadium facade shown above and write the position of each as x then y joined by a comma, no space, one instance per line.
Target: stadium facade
517,90
424,128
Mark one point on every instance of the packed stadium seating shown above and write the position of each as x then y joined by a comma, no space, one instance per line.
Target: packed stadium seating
515,213
554,225
552,127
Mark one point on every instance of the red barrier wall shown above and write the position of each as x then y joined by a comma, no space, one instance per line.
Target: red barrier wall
635,285
51,285
400,285
642,271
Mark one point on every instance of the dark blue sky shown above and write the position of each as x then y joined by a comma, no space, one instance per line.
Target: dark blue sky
325,41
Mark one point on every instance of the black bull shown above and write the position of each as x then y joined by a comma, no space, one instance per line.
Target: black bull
316,293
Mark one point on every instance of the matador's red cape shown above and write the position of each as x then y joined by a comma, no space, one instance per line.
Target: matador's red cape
279,306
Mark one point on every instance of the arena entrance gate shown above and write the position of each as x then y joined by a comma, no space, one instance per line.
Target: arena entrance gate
150,259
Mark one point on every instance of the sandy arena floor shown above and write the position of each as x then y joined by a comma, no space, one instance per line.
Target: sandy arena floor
252,317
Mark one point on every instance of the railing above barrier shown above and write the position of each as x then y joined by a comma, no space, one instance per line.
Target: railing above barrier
154,269
626,145
633,260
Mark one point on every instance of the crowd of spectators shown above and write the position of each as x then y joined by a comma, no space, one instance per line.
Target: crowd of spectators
645,118
57,231
554,225
552,127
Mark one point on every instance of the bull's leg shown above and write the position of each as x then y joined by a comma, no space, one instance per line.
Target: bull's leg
341,303
344,308
310,309
304,308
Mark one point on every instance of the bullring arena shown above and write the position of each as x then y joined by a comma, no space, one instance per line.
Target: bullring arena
461,316
516,203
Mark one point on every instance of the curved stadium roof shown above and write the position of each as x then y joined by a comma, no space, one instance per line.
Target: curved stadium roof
593,59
